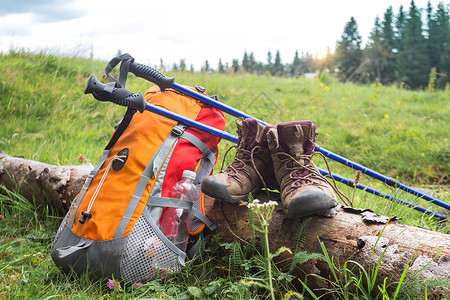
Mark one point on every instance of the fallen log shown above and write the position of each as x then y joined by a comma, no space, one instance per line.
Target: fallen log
49,184
351,234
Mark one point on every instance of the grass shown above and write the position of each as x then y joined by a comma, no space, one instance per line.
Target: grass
46,117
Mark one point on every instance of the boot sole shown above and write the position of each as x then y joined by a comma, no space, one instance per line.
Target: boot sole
216,189
310,202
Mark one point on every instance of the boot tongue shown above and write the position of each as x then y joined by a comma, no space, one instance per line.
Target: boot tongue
293,138
248,135
251,133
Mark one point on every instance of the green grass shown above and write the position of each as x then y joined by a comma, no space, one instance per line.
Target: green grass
46,117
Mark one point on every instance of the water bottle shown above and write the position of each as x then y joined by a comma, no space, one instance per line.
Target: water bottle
174,220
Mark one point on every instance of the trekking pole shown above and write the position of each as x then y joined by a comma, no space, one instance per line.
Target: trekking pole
103,92
165,82
375,192
387,180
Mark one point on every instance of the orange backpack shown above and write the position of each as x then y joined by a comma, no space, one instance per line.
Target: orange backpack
112,227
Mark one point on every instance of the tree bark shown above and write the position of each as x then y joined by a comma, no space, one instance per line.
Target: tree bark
47,184
351,234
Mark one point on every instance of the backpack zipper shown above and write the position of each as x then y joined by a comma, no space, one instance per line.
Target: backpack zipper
85,215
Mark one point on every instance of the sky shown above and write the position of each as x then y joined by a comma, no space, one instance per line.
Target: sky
194,30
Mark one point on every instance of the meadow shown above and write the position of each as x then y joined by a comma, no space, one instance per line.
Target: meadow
46,117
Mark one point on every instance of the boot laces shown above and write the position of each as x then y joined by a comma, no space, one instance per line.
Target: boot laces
296,173
242,160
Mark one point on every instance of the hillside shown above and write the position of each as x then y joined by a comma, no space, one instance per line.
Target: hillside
400,133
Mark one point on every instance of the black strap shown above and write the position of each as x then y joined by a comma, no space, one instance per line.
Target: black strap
122,126
125,59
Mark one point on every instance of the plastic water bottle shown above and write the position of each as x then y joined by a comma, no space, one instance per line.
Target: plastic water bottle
174,220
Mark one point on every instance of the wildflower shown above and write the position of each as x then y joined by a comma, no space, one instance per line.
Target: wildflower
327,89
321,85
423,154
113,285
386,116
263,212
358,176
137,285
81,158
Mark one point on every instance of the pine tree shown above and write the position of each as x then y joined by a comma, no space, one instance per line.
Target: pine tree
269,57
206,67
399,28
309,63
245,64
329,61
277,66
444,68
221,68
161,65
433,37
182,65
235,65
375,52
388,74
269,66
348,51
438,42
251,62
295,69
413,61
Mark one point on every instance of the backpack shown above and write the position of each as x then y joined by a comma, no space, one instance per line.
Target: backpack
112,227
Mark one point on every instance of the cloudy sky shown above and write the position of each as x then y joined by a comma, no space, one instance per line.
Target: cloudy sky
196,30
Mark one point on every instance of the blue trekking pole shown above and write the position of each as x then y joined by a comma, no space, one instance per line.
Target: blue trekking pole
165,82
123,97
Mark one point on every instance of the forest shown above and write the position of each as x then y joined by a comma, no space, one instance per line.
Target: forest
408,47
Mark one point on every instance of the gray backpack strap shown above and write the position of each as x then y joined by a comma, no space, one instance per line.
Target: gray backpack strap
64,252
196,142
159,158
206,167
203,218
169,202
196,247
210,156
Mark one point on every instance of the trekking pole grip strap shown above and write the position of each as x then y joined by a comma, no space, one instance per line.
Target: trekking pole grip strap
151,75
110,92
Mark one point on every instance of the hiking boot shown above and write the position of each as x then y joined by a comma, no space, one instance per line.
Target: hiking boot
304,191
251,163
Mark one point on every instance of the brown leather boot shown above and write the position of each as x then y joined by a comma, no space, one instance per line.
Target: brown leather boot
251,163
304,190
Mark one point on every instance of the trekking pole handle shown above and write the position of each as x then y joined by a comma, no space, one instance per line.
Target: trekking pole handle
151,75
117,95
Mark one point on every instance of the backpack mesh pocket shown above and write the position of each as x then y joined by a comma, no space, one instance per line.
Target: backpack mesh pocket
146,257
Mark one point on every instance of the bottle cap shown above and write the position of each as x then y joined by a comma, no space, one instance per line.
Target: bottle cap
189,174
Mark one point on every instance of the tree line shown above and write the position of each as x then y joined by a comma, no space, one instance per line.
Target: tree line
401,48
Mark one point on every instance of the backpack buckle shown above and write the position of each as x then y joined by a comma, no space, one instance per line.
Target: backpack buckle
178,129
